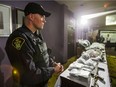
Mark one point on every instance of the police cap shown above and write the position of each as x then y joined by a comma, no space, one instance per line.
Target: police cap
35,8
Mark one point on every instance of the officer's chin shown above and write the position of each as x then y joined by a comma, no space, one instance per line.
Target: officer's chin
40,28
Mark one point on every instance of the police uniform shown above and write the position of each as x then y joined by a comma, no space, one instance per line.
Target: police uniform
27,53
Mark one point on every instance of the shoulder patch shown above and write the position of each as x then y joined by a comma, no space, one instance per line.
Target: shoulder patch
18,42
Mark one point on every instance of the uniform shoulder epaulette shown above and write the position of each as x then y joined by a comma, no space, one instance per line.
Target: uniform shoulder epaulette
18,42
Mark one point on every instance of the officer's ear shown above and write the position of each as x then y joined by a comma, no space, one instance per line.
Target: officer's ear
30,16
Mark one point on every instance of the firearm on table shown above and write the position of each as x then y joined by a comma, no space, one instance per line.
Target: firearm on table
95,77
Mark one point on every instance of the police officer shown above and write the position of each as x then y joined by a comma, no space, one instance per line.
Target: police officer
27,50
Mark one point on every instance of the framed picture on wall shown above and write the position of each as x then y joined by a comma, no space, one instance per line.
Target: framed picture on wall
111,19
19,17
5,20
111,33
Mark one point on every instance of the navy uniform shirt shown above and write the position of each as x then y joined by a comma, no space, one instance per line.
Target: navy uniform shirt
27,53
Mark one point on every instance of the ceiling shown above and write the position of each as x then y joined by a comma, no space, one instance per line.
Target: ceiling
85,7
88,7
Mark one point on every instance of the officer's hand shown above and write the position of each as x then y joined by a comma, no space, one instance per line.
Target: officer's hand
58,68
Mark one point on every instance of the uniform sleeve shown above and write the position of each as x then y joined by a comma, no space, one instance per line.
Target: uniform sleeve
35,74
30,74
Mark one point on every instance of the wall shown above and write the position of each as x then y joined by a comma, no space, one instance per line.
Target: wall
96,24
69,32
99,24
53,34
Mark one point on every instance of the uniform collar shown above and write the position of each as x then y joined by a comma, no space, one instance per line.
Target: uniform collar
29,33
26,29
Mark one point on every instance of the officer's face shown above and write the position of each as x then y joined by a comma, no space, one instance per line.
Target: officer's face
39,21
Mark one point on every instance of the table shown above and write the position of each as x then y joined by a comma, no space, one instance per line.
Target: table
64,79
